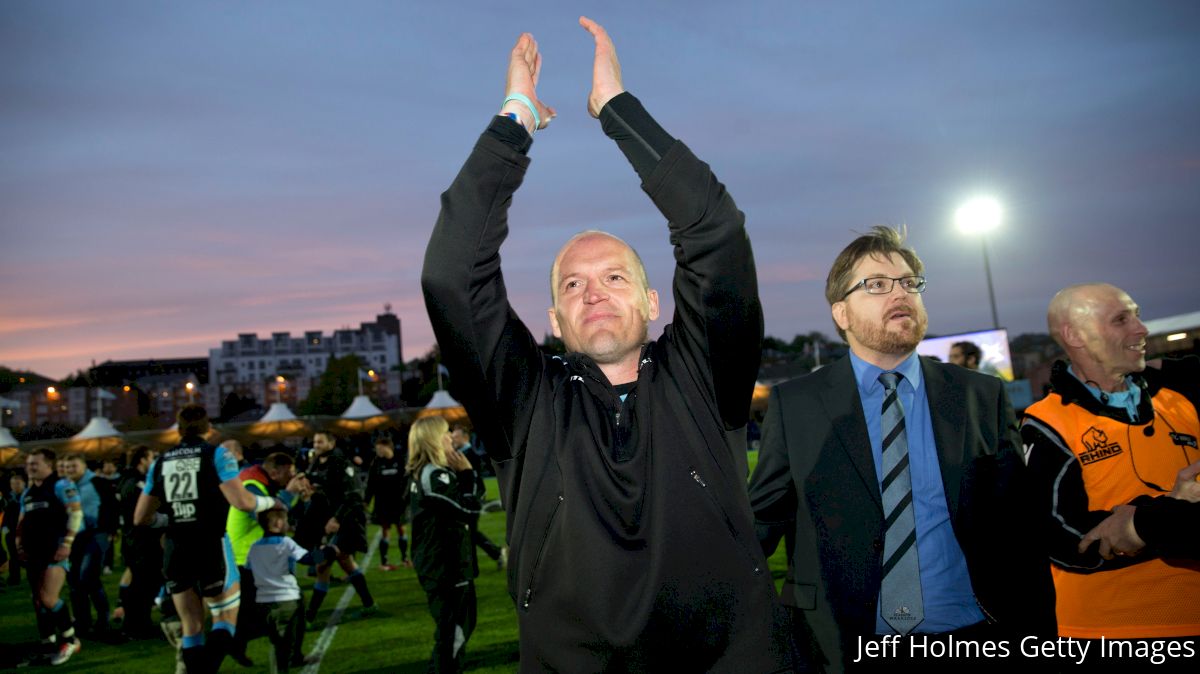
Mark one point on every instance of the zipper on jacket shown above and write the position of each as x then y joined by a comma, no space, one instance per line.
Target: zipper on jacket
757,568
537,560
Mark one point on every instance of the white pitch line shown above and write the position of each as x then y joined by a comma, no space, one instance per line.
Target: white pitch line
331,628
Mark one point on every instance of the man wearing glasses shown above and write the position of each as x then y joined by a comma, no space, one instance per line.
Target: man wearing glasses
898,478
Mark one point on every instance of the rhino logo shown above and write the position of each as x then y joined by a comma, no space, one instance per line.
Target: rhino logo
1094,438
1098,447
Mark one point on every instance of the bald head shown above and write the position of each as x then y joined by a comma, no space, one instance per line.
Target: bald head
1076,307
602,305
1099,328
555,269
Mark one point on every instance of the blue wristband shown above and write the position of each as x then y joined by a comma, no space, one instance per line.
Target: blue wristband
287,498
522,98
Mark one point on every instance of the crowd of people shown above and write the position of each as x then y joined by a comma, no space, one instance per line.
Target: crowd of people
922,521
203,530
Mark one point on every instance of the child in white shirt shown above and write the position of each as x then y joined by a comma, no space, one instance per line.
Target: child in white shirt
273,560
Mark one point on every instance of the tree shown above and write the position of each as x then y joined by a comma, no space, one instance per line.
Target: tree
336,388
10,379
81,377
232,406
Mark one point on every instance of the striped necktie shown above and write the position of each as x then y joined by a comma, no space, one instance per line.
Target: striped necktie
900,587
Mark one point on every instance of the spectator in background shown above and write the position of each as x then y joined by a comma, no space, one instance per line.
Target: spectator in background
271,560
385,486
277,473
965,354
141,552
100,518
111,472
51,517
460,438
12,512
443,502
236,450
335,510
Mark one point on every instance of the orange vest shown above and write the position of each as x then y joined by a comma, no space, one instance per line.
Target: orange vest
1151,599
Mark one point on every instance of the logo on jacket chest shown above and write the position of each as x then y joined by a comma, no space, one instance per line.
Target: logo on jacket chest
1184,440
1098,446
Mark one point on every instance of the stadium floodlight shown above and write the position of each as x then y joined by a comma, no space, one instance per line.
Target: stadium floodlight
979,216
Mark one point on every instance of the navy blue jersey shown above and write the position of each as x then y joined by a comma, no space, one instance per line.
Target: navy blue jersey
187,478
386,484
44,513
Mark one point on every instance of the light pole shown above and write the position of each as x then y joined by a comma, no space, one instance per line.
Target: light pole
979,216
280,384
191,389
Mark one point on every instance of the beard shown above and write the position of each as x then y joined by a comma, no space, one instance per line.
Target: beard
895,339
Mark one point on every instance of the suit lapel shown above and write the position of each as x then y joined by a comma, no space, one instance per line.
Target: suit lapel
947,411
844,408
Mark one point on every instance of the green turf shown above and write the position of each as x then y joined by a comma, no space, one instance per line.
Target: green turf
397,639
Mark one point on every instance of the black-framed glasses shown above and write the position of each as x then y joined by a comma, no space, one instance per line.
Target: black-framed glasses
882,285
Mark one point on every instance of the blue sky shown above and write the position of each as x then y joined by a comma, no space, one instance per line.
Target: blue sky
172,174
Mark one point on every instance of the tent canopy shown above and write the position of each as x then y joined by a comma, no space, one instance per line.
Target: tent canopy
97,428
361,408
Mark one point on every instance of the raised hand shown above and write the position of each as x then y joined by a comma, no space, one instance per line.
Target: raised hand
524,68
456,461
606,69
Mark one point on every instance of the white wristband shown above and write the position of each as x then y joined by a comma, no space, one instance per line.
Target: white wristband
263,503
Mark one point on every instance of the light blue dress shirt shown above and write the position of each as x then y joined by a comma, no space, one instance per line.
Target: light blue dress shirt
946,591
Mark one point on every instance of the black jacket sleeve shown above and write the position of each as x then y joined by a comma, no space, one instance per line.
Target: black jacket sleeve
1168,526
495,361
718,321
451,495
1062,500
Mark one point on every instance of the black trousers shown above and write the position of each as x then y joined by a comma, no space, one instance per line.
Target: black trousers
142,554
453,609
87,589
14,566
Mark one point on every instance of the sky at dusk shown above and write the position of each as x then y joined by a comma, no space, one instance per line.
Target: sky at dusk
173,174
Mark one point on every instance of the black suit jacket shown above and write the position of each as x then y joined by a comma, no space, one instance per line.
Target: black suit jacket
815,480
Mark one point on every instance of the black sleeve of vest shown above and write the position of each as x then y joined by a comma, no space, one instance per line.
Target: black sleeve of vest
512,134
1167,525
642,140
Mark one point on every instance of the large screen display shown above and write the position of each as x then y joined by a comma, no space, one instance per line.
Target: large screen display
996,358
